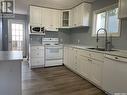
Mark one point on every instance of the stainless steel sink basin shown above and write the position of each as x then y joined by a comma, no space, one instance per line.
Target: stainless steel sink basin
100,49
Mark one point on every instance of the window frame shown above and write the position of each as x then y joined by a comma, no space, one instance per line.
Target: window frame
105,9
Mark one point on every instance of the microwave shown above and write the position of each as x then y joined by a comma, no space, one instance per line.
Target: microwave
37,29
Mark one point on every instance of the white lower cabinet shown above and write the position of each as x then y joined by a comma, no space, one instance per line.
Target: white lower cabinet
108,72
115,75
82,62
90,68
36,58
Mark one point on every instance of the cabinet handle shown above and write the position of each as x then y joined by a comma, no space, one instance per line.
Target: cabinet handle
116,58
89,60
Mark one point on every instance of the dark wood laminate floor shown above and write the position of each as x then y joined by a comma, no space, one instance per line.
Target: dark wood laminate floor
55,81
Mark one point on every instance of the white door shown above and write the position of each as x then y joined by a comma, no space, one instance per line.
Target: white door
16,35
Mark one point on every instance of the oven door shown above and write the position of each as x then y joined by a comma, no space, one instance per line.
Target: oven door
53,53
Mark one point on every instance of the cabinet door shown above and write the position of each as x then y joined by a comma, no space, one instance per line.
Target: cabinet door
35,62
48,18
115,76
84,66
81,15
56,19
71,18
84,10
65,18
52,19
66,56
75,16
37,52
72,59
122,8
96,75
43,17
35,15
86,14
80,9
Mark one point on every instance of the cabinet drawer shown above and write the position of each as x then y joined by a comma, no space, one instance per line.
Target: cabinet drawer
37,62
84,53
97,56
37,53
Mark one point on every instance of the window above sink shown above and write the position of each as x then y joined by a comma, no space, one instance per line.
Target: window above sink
107,18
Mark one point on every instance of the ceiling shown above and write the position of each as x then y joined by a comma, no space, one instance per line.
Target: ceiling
22,5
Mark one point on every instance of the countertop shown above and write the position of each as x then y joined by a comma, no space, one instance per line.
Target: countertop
118,52
11,56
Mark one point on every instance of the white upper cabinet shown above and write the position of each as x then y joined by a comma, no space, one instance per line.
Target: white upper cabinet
122,8
53,19
81,15
35,15
56,18
48,18
77,16
45,17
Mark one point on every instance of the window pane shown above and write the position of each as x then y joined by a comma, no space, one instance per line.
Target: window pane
113,21
17,33
13,32
17,38
100,21
13,38
13,26
21,33
21,38
17,26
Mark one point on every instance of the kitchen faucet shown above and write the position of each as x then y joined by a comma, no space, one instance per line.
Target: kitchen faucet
106,39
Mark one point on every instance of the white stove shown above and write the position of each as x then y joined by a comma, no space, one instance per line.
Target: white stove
53,52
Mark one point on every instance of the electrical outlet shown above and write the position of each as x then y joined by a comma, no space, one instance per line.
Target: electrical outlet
78,41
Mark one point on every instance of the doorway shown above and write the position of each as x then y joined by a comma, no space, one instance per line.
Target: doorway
16,35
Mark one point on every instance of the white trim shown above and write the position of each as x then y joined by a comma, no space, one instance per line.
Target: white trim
94,21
